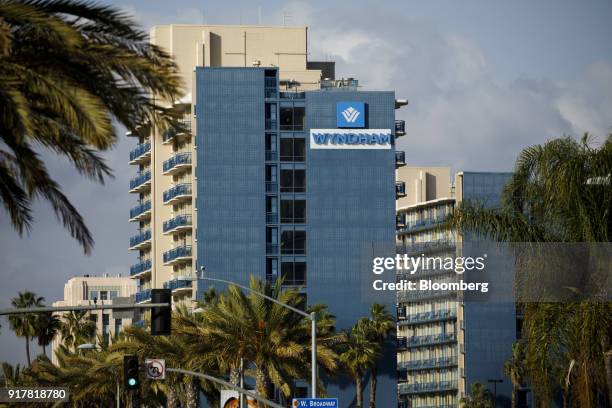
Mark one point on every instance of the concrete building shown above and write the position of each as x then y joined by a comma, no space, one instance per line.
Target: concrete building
281,170
446,342
100,290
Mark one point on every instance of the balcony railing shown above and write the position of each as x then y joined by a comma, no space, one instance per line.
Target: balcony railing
184,128
140,267
343,83
271,155
271,124
140,179
140,238
429,340
176,284
427,317
409,226
413,295
400,128
140,150
430,246
142,295
271,186
400,159
430,363
424,388
140,209
272,218
176,222
177,191
177,160
400,189
271,248
177,253
292,95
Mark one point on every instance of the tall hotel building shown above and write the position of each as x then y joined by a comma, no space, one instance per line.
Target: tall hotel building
446,342
279,170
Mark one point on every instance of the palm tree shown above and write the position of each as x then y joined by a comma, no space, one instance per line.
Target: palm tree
11,375
514,368
358,354
559,192
76,328
480,398
69,69
48,326
378,327
271,339
24,325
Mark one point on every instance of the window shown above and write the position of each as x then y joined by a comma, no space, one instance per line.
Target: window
292,117
103,295
271,269
118,324
292,149
271,240
293,242
293,273
271,204
293,211
293,181
271,116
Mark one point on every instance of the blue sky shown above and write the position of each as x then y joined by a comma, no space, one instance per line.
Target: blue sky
484,79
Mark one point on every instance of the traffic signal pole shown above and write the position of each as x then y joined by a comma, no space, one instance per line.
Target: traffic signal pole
51,309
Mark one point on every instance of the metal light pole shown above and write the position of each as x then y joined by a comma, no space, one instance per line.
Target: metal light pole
495,382
312,316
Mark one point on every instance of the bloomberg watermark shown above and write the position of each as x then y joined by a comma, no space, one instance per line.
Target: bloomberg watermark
350,139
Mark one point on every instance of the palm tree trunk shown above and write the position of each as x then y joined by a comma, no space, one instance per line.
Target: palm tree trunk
44,346
234,377
28,350
261,382
608,365
373,383
513,396
193,394
171,400
358,389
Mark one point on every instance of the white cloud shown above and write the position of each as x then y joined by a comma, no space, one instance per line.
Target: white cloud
459,113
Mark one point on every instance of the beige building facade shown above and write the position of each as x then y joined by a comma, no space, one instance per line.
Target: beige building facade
97,290
164,185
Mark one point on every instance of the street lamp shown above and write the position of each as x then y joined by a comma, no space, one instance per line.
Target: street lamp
495,382
312,316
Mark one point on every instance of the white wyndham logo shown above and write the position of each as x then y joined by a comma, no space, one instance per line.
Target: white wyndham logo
350,114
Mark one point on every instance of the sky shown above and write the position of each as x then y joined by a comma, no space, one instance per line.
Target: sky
484,78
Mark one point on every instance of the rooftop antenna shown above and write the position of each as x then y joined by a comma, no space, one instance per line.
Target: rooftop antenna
286,18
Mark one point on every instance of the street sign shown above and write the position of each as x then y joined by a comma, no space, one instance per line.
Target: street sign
155,368
315,402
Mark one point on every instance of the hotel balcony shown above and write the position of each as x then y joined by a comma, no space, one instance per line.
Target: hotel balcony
141,212
427,388
141,267
141,154
177,133
417,225
177,255
177,163
143,296
414,295
179,223
400,159
428,317
430,340
141,183
178,193
400,128
423,273
271,186
140,241
400,189
180,284
441,245
431,363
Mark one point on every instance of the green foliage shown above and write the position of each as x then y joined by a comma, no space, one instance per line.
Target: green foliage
25,325
479,398
560,192
68,69
76,329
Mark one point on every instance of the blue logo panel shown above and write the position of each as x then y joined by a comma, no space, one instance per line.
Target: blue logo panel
350,114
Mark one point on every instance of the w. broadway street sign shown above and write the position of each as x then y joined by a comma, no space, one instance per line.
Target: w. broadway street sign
315,402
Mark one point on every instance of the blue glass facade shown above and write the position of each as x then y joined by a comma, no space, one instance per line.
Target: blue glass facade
490,326
268,205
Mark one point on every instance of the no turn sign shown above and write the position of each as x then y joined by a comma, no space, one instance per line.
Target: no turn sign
156,368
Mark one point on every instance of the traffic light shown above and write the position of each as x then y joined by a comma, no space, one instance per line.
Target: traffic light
161,317
131,373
